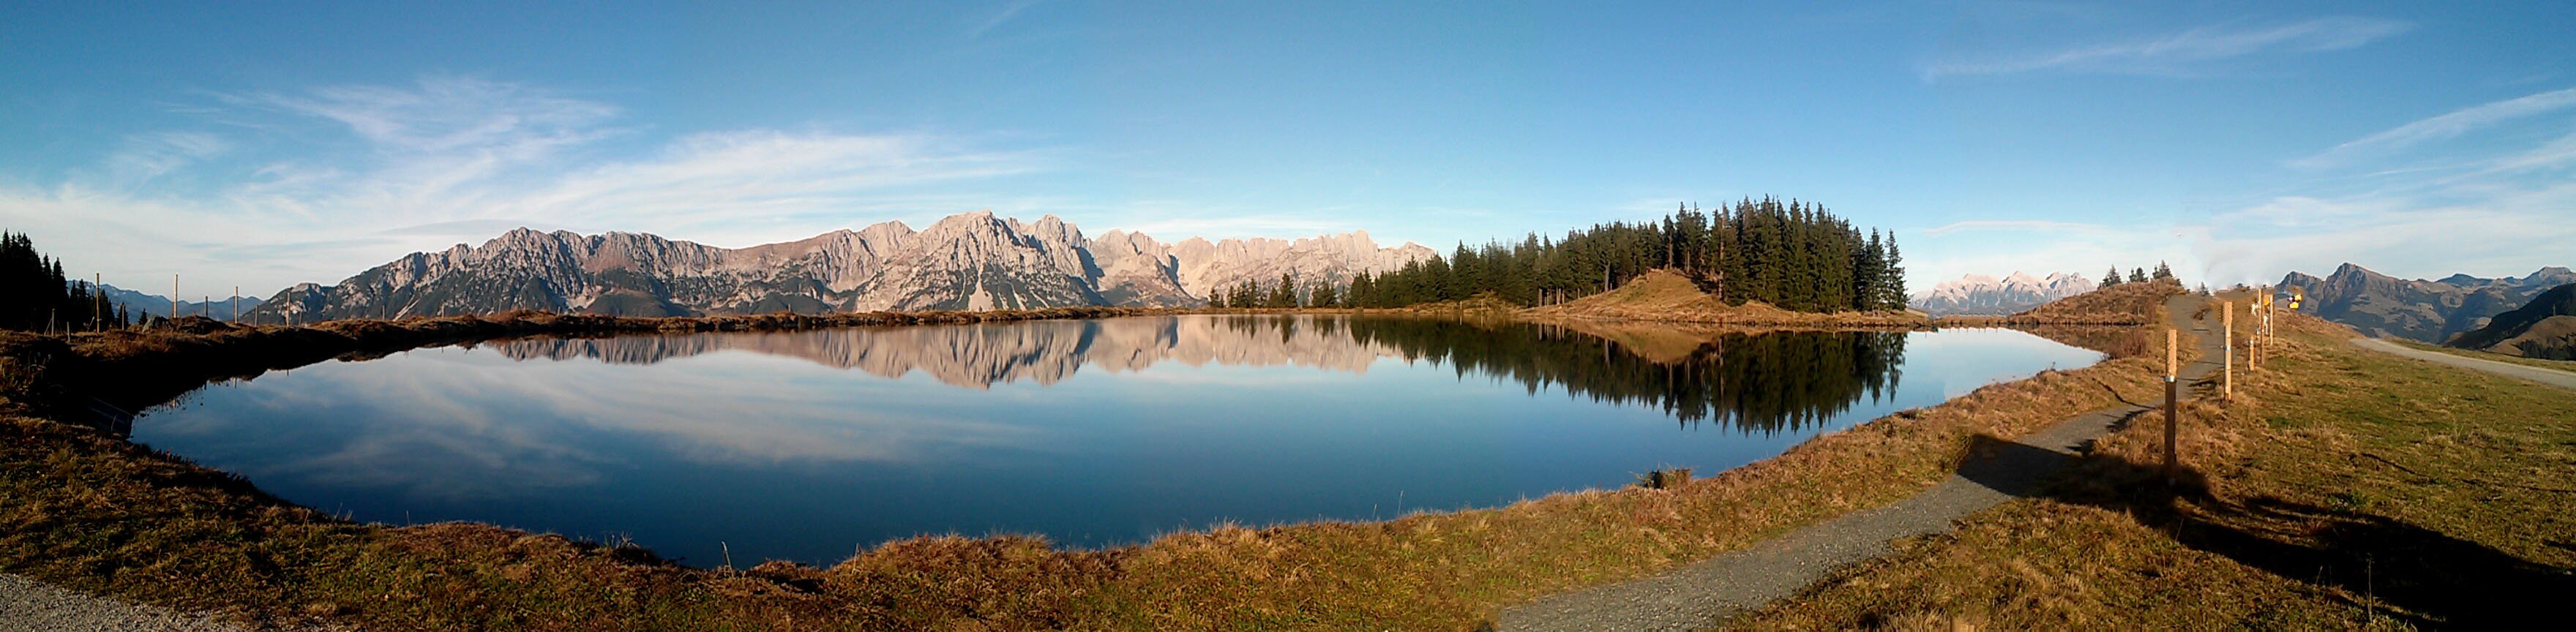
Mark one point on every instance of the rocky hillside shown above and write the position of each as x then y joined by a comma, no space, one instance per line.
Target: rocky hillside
2430,311
966,261
1979,294
2543,328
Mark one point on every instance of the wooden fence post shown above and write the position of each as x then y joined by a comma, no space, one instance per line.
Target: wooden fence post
2227,388
2173,406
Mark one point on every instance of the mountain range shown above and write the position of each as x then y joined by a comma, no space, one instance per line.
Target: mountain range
1985,295
2543,328
969,261
142,304
2429,311
1043,352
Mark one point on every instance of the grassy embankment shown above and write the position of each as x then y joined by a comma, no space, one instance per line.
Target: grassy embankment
2342,488
86,510
1661,296
2562,365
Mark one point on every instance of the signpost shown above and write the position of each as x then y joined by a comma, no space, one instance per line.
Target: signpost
2227,383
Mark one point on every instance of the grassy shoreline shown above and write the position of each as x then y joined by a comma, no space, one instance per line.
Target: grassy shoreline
89,511
2342,488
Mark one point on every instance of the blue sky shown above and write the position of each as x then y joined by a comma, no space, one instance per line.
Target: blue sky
276,143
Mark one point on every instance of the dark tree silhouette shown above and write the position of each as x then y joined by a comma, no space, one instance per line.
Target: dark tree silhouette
1795,255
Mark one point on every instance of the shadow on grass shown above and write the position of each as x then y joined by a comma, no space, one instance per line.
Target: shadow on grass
2441,581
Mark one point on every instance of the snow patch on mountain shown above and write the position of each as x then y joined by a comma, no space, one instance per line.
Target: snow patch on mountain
1980,294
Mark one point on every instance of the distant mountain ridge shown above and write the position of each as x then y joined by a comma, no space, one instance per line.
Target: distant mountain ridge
139,303
969,261
2429,311
2543,328
1979,294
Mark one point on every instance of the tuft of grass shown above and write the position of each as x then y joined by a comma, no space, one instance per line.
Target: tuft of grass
1665,478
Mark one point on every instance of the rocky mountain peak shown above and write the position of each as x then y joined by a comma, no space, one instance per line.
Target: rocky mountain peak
1987,295
2430,311
975,260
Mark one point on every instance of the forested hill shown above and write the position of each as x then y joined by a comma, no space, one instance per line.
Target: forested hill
1792,255
41,298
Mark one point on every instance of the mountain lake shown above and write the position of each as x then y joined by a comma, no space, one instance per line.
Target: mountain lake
810,445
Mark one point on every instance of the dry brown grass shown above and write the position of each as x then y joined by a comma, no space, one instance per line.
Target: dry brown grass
2340,489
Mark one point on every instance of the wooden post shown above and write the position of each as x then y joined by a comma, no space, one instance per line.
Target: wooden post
95,288
2267,322
2254,339
2173,406
2227,383
174,297
236,304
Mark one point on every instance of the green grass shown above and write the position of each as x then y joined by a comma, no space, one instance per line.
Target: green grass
2343,489
2562,365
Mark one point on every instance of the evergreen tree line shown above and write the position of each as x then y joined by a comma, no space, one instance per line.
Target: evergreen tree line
2137,275
39,296
1793,255
1288,292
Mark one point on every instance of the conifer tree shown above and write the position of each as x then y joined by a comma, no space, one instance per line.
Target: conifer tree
2111,278
1284,294
1892,280
1794,254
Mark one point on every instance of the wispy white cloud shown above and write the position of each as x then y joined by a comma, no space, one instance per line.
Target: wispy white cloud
1170,221
2445,126
145,157
2431,223
448,113
2182,52
406,166
2038,226
2508,232
2496,202
1009,11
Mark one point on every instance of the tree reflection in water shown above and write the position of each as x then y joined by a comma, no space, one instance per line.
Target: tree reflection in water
1765,382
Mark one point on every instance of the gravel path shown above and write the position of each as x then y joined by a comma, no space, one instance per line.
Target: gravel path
28,605
2561,379
1703,595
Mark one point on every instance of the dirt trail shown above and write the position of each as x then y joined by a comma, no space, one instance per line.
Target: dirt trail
27,605
2561,379
1705,594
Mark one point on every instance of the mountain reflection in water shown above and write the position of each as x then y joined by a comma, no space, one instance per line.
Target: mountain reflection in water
1765,382
804,445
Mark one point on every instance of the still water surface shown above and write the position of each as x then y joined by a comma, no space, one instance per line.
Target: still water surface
807,445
